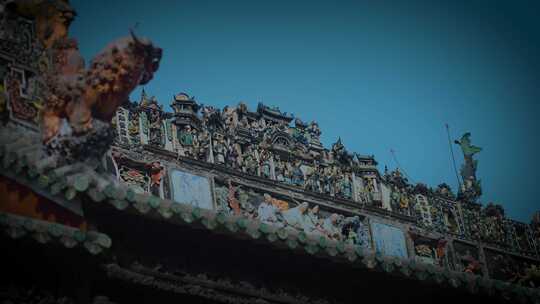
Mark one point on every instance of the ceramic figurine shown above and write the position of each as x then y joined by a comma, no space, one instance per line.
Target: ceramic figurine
267,212
295,216
80,102
330,227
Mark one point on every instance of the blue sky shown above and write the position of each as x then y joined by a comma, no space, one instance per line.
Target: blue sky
381,75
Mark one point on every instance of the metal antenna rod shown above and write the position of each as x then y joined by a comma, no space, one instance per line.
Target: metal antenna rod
452,153
399,166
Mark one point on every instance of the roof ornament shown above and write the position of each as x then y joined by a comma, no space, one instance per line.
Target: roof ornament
471,189
80,102
80,105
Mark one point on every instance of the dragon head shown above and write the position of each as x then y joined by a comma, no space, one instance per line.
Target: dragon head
150,53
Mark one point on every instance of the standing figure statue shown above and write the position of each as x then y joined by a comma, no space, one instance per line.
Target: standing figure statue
345,186
264,164
331,228
186,139
234,203
231,159
203,151
471,189
297,174
312,221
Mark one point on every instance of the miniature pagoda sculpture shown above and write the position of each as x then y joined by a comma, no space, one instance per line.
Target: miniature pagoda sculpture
185,111
471,189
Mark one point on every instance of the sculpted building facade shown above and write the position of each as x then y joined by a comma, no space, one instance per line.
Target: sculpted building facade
270,166
103,200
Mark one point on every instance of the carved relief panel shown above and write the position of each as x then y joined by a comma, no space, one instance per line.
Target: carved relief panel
467,258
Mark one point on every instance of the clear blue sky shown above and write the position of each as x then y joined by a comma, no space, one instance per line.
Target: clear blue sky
381,75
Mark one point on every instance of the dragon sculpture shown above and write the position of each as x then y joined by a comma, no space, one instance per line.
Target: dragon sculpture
79,101
79,96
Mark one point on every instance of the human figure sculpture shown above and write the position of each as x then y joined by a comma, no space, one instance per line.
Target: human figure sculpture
353,230
395,197
345,186
222,194
330,226
471,186
250,161
245,204
313,181
279,170
265,164
327,181
156,173
232,156
267,212
281,205
230,117
404,200
186,138
336,184
297,174
312,222
288,173
206,112
469,151
370,187
243,122
203,151
295,216
314,133
234,204
155,123
219,149
473,267
441,251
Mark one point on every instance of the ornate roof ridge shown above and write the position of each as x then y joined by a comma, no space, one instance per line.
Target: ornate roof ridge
78,179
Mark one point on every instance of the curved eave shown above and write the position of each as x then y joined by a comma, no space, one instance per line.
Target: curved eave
80,181
44,232
313,245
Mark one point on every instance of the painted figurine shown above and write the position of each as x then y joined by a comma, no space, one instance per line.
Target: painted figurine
295,216
330,227
156,173
219,149
267,212
471,188
234,204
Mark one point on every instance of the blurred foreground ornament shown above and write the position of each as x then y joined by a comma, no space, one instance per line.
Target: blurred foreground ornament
80,103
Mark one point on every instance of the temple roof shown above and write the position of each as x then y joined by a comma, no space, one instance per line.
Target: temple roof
83,184
68,186
274,113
